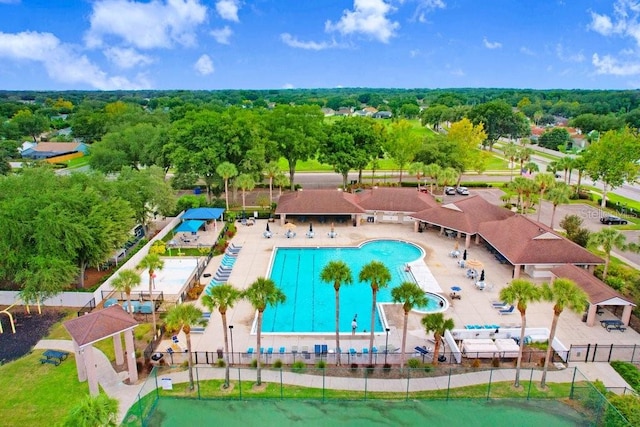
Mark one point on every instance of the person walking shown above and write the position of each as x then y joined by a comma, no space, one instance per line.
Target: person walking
354,325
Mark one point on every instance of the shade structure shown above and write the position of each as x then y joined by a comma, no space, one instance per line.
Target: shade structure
456,288
189,226
482,276
290,226
268,228
464,255
475,264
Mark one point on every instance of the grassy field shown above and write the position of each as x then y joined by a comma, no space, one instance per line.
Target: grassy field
36,394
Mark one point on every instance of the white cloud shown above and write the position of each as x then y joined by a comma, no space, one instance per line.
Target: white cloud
222,35
9,1
288,86
525,50
159,23
624,21
425,7
228,9
457,72
568,56
293,41
204,65
61,61
414,52
609,65
601,24
126,57
368,17
491,45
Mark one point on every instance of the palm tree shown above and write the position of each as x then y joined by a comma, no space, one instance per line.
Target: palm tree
182,316
246,183
560,194
417,169
378,275
271,170
92,411
580,164
124,282
153,263
523,155
510,151
410,295
226,171
545,181
521,292
262,293
563,293
223,297
566,164
520,185
338,273
437,324
446,177
432,170
608,238
281,180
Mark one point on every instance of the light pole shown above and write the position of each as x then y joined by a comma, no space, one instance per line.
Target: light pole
231,332
386,346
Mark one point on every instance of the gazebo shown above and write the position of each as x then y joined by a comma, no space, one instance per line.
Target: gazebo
93,327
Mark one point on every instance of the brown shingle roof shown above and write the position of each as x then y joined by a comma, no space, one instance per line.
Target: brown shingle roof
597,290
318,202
100,324
524,241
464,215
395,200
61,147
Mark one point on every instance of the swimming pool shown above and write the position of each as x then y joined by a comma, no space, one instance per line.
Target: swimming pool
310,305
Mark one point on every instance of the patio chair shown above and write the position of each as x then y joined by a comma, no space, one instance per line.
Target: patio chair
510,310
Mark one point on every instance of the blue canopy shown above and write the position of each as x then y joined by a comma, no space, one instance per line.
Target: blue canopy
190,226
203,213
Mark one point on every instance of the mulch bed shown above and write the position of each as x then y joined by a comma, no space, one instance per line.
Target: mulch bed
30,328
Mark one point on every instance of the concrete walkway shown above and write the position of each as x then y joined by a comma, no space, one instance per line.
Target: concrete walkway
112,382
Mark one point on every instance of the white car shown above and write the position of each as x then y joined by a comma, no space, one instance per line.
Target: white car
463,191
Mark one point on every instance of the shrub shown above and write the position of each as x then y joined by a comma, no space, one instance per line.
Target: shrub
277,363
414,363
495,362
386,368
428,367
221,363
370,369
298,366
321,364
475,363
254,363
354,367
629,372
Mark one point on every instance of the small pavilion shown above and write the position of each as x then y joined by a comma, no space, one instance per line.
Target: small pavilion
86,330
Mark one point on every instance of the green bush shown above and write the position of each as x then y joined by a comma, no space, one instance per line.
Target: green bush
629,372
414,363
298,366
370,369
254,363
221,363
321,364
277,363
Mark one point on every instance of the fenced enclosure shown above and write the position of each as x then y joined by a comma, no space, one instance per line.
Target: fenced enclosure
365,384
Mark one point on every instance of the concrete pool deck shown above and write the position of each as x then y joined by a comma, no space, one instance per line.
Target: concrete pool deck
473,308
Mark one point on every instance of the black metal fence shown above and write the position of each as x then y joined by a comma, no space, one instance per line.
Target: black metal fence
604,353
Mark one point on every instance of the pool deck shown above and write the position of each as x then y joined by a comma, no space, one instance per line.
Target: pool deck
473,308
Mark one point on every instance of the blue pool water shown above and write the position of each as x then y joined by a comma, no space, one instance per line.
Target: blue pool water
310,305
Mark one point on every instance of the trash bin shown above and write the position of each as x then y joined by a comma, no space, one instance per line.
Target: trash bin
197,190
355,223
220,352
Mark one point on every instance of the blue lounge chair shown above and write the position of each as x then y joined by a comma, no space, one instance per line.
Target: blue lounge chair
374,350
270,350
110,302
422,351
510,310
365,350
352,351
325,349
317,349
282,350
250,351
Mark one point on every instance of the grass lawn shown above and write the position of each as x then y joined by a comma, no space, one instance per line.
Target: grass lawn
77,162
36,394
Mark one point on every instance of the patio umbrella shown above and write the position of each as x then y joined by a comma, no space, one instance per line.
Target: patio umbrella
475,264
268,231
290,226
310,228
332,227
456,246
482,276
464,255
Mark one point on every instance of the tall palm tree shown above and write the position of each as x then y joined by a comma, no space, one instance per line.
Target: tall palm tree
226,170
432,170
437,324
153,263
608,238
124,282
338,273
92,411
410,295
223,297
378,275
510,151
271,170
523,155
246,183
446,177
563,293
417,169
580,164
521,292
566,164
262,293
545,181
182,316
520,185
281,180
559,195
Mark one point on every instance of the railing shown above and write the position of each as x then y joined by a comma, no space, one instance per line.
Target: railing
604,353
88,307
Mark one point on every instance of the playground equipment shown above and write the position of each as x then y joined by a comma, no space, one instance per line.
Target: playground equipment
11,320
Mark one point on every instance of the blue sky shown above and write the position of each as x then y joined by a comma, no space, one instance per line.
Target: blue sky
273,44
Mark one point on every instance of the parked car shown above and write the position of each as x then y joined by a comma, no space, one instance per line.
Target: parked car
450,191
612,219
463,191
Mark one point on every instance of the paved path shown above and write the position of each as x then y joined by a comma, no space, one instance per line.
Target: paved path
112,382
